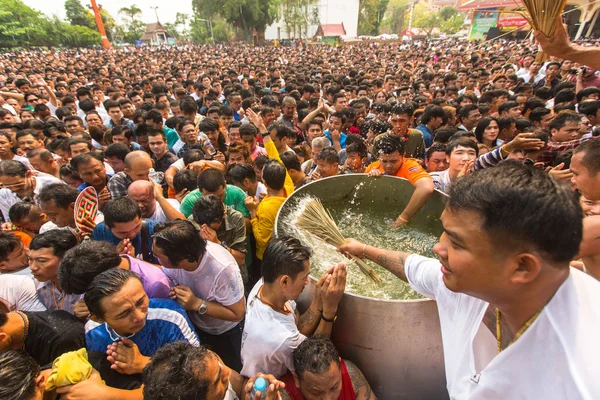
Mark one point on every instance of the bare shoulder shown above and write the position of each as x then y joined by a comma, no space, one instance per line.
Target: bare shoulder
362,389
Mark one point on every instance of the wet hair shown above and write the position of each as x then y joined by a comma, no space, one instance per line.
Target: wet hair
208,125
106,284
315,355
290,160
121,210
391,143
185,179
274,174
329,155
18,374
211,180
514,202
21,210
8,244
208,209
179,240
175,371
59,240
589,108
82,263
284,255
432,112
591,155
436,147
237,173
62,195
248,130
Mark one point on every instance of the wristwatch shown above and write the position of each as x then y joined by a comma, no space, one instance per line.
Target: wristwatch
202,309
264,134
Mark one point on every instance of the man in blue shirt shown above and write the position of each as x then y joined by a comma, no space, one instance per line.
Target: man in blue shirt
124,227
432,118
336,122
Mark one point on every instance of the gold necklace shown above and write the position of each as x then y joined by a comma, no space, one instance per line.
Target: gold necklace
520,332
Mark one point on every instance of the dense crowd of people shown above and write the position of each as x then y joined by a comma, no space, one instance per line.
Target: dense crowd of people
178,289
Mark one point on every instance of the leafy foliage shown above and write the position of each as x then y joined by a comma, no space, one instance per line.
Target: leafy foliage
135,27
370,16
77,14
22,26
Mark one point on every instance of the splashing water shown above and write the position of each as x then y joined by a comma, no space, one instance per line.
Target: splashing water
373,227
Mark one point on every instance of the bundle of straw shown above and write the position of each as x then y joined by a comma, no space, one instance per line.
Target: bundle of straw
315,219
542,17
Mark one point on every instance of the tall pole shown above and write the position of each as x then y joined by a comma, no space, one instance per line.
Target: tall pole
410,19
212,36
155,8
105,42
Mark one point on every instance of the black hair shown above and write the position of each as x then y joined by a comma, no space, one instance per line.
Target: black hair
248,130
121,210
21,210
432,112
481,127
211,180
315,355
59,240
62,195
289,159
589,108
585,92
208,209
538,113
391,143
179,240
208,124
154,115
237,173
563,118
185,179
329,155
8,244
194,153
281,131
514,202
274,174
175,371
13,168
85,159
18,374
106,284
118,150
284,255
591,155
81,264
463,142
436,147
507,106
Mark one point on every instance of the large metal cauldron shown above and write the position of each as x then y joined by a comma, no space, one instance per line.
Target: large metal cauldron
396,343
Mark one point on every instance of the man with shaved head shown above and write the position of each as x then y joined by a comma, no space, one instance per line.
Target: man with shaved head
149,197
137,167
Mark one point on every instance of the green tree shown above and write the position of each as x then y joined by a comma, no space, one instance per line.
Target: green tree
68,35
425,19
394,21
135,27
110,25
370,16
451,20
21,25
244,15
77,14
200,32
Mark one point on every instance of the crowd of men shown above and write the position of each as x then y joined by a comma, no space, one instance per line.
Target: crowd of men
178,288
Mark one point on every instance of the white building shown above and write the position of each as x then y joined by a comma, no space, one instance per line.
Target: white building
329,12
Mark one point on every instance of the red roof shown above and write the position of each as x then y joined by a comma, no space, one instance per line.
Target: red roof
331,30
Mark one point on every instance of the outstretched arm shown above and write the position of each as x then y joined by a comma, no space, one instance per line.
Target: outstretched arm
391,260
559,45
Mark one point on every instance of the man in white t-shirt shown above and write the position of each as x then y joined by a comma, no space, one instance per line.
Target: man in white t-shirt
17,293
509,235
18,184
13,255
152,202
208,284
273,327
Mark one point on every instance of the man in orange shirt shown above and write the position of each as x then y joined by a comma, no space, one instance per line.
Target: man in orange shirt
392,162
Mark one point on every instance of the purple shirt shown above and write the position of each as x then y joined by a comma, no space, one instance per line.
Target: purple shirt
155,282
